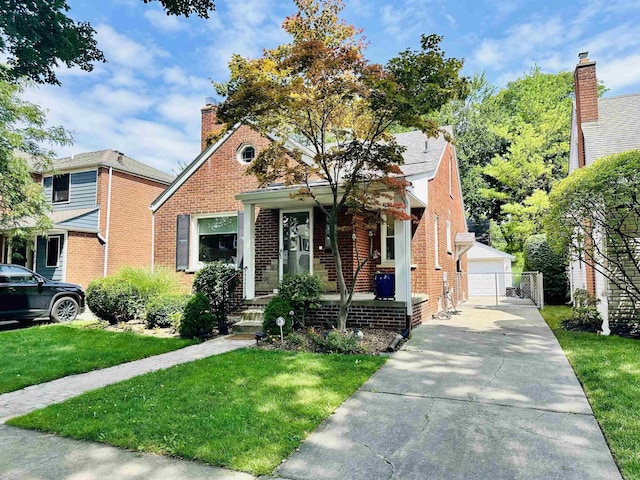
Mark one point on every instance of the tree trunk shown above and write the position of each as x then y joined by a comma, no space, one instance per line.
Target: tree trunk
342,286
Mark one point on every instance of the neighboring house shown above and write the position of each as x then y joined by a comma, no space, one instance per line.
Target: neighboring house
489,269
100,216
214,211
600,127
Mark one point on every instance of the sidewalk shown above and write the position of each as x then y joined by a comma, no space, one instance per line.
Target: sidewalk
487,394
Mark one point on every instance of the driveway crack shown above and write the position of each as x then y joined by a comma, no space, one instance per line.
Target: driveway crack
384,459
473,396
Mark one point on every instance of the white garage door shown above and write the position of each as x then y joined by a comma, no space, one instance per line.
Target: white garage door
483,280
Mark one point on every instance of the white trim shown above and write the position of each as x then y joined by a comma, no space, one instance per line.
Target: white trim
153,241
240,152
191,169
65,250
194,237
450,175
105,268
248,255
281,242
58,237
436,242
449,241
384,261
53,191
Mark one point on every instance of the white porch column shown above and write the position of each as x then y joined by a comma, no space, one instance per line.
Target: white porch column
249,252
402,253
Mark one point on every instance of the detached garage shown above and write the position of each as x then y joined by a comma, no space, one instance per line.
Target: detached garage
487,268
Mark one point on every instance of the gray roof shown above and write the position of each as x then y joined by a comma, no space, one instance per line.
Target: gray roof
114,159
617,129
417,158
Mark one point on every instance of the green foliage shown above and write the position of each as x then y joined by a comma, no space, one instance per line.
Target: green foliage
512,145
217,281
595,213
165,310
297,339
277,307
333,342
303,293
148,284
538,257
113,300
23,131
197,319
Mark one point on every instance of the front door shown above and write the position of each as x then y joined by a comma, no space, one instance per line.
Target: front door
296,249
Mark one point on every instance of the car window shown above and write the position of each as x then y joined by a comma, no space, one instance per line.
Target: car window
17,274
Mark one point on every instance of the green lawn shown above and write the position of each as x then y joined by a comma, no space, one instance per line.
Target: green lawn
246,410
39,354
609,370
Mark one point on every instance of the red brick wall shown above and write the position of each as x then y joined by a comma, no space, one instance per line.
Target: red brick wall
211,189
426,278
130,222
85,258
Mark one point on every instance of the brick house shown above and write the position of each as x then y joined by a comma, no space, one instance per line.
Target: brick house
600,127
213,210
100,218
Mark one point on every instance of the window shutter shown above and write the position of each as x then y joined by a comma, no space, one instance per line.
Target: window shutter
240,242
182,242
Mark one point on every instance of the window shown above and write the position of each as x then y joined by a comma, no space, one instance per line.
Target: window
60,188
246,154
387,240
436,245
53,251
449,242
217,239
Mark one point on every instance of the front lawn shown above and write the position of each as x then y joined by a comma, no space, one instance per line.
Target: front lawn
609,370
246,410
39,354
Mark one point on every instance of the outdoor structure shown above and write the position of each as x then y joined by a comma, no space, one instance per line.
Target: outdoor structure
100,215
600,127
214,211
488,269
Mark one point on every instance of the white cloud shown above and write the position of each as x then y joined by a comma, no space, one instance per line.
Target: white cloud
164,22
124,51
620,72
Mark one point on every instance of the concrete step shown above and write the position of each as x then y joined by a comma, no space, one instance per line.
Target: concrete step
247,326
252,314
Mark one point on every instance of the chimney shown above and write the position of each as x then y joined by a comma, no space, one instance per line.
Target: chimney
586,86
210,125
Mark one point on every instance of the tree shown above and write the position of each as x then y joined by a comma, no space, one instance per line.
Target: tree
321,90
23,131
595,213
37,36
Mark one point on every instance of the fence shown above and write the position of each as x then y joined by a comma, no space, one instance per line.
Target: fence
500,288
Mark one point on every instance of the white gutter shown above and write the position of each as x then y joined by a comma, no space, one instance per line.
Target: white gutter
106,245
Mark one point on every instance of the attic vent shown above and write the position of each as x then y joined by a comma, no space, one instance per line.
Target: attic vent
119,158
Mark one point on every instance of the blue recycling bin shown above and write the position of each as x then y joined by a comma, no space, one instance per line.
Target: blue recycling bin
384,286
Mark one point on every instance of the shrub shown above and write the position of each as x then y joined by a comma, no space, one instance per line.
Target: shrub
164,310
303,292
218,281
112,300
296,339
538,257
334,342
585,313
277,307
197,319
148,284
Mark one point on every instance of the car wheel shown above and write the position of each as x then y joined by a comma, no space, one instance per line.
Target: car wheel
64,309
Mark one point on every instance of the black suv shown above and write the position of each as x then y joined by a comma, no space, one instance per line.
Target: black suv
25,295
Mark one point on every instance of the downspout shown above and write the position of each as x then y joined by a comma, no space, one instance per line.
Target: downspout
153,239
106,245
407,249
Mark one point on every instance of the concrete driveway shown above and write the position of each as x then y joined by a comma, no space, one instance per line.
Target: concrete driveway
488,394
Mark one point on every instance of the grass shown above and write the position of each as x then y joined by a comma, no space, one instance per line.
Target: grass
39,354
246,410
609,370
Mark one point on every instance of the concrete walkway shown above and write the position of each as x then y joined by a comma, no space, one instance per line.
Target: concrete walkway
488,394
37,456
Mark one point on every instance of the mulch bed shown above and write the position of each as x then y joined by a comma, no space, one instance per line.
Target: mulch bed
628,331
373,342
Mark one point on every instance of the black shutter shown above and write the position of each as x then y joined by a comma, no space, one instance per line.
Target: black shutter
240,242
182,242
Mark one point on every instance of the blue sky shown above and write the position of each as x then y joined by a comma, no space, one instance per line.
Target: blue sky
146,100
